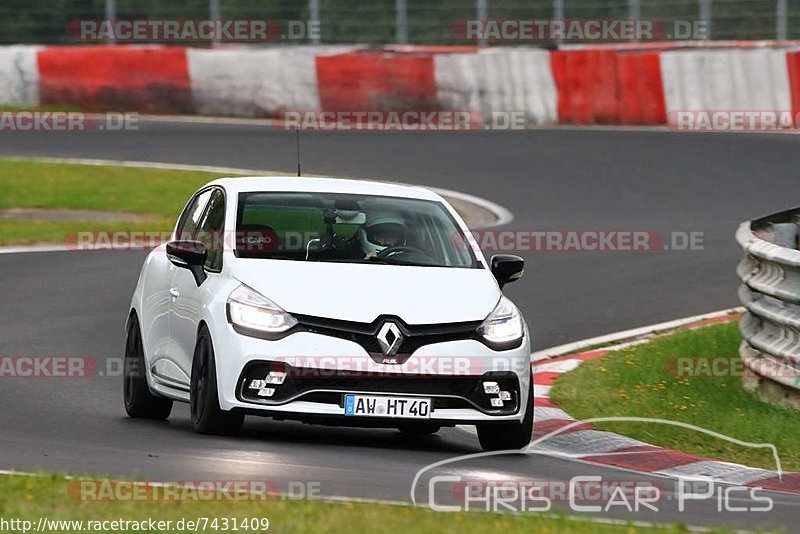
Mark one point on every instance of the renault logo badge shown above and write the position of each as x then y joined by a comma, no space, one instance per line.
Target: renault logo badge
389,339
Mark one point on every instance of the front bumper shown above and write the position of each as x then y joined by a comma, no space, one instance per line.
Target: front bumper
321,369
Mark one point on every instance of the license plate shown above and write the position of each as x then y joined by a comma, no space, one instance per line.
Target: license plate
373,406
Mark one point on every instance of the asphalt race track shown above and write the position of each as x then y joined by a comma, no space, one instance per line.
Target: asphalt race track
66,303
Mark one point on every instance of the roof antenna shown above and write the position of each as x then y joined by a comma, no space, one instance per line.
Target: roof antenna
297,143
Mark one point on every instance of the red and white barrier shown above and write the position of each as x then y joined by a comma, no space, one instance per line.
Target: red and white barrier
518,79
376,80
731,79
252,82
602,86
150,79
622,84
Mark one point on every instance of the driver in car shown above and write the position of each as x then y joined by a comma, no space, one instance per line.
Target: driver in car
381,232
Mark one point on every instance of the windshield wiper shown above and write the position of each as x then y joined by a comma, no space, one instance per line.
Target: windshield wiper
343,260
387,261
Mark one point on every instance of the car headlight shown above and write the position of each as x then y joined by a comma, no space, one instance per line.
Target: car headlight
256,314
503,328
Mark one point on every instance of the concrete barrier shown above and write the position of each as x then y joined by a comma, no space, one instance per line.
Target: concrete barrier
248,82
641,88
578,85
147,79
375,80
19,75
507,79
731,79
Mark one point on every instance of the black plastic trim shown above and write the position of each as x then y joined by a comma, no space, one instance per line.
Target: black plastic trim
468,388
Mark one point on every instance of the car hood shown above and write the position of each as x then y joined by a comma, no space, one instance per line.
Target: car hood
362,292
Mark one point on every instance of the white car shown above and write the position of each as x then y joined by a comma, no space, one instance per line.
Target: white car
331,301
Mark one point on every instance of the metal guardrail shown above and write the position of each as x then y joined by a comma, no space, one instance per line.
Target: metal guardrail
770,292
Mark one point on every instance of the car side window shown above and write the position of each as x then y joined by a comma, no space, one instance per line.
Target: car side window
211,230
190,220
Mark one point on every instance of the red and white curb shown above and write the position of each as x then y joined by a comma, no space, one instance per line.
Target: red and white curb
568,437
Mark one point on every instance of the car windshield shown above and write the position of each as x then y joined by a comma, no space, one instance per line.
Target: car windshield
333,227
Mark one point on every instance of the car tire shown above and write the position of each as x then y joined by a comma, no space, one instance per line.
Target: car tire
207,417
419,429
139,401
508,436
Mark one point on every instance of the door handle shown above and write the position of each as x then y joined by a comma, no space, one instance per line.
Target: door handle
174,292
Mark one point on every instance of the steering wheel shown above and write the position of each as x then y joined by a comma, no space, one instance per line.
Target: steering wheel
400,249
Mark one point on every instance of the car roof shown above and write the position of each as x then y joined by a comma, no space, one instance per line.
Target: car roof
323,185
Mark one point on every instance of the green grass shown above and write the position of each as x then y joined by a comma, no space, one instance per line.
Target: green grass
31,498
641,381
30,184
43,108
27,232
158,193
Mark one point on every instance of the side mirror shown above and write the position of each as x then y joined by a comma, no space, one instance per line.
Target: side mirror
189,255
507,268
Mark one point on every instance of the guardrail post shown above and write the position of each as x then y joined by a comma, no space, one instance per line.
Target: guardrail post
635,13
214,15
558,10
401,21
705,16
482,12
313,16
111,13
780,20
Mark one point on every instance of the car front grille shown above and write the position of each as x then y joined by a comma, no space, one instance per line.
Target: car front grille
317,385
366,334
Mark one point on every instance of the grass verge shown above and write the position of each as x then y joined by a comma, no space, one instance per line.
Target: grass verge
159,194
644,381
32,498
30,184
39,109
